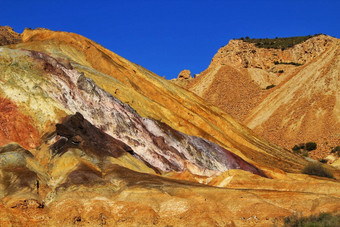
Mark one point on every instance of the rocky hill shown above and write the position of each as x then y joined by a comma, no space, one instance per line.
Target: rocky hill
89,138
289,95
9,36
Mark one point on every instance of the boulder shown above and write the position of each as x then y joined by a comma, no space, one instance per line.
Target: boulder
185,75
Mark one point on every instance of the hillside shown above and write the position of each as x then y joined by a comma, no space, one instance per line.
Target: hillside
289,96
90,138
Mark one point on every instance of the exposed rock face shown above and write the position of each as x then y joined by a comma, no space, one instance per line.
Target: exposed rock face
184,75
8,36
77,132
306,78
305,106
121,146
246,55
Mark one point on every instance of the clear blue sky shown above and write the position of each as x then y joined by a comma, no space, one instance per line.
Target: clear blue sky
168,36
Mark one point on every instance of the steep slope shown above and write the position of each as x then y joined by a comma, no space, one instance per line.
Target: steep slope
304,107
110,143
8,36
306,77
153,97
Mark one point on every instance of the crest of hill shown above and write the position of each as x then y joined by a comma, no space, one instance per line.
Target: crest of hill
278,43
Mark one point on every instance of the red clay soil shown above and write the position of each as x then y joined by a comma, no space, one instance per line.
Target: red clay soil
16,127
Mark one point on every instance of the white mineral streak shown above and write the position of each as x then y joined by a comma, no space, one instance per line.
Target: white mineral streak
120,121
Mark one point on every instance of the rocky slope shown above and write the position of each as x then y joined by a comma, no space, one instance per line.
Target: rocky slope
9,36
302,107
89,138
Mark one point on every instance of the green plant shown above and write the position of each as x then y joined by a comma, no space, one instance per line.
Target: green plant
336,150
323,219
270,86
323,160
316,168
310,146
296,149
287,63
305,153
277,43
304,148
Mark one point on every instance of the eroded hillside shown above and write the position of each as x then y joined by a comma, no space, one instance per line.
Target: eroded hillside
89,138
288,96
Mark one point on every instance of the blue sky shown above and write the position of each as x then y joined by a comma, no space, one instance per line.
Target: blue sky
168,36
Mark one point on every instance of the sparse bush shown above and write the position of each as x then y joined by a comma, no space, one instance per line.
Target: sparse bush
336,150
310,146
303,148
323,160
277,43
323,219
316,168
305,153
270,86
296,149
287,63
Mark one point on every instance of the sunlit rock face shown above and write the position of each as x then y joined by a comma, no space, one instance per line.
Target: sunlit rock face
9,36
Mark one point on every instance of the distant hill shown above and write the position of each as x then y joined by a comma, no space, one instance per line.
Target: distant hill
285,89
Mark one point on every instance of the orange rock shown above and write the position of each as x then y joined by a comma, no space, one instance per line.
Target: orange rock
16,127
302,107
8,36
185,74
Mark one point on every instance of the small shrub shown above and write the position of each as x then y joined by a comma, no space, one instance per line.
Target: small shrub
305,153
323,219
277,43
310,146
323,160
335,149
302,146
316,169
287,63
296,149
270,86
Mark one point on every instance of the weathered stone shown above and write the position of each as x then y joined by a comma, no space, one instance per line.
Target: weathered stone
184,75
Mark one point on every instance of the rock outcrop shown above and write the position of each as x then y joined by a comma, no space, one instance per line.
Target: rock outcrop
287,96
8,36
184,75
